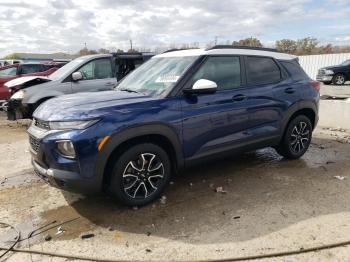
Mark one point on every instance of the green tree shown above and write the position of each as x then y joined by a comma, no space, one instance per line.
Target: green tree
287,46
250,41
103,51
12,56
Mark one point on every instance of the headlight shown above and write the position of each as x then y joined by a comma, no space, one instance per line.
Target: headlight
66,125
329,72
66,148
18,95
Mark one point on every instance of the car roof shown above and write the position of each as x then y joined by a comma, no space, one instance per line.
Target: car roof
228,51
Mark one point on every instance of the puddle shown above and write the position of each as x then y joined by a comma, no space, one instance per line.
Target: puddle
23,178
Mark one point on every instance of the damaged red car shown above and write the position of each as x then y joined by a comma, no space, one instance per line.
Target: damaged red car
11,72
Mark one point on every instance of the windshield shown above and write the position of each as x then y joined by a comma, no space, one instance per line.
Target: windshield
345,63
64,69
156,76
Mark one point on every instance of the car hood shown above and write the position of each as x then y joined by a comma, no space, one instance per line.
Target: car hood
87,105
27,81
332,67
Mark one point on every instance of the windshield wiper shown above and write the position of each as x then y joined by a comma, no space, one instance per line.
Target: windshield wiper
128,90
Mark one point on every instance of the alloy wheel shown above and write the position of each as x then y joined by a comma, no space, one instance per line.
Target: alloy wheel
300,137
339,79
143,175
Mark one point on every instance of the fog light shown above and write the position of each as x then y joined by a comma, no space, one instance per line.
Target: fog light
66,148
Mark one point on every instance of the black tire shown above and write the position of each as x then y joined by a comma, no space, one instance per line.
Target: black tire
297,138
137,177
339,79
327,83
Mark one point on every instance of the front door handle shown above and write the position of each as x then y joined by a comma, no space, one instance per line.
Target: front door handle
239,97
109,84
289,90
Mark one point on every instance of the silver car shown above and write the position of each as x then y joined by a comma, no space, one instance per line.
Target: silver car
90,73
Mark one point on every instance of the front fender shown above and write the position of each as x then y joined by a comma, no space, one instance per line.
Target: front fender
134,132
38,96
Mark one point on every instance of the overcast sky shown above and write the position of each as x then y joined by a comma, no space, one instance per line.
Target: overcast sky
65,25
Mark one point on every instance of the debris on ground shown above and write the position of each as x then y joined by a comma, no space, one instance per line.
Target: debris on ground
135,208
340,177
191,184
3,181
220,189
163,200
211,185
149,233
171,183
118,236
87,235
148,250
237,217
47,237
110,228
59,231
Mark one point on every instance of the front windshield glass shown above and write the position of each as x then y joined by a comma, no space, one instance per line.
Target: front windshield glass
156,76
64,69
345,63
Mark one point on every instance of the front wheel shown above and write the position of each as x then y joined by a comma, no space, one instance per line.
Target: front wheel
297,138
140,174
339,79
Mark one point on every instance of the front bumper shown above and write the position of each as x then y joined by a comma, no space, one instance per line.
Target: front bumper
324,78
16,110
66,180
75,175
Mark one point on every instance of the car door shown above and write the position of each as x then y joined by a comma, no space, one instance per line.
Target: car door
268,92
215,122
97,76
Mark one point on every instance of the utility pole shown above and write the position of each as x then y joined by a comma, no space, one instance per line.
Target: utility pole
131,44
216,40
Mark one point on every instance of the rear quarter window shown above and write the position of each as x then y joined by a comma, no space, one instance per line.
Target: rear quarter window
296,72
262,70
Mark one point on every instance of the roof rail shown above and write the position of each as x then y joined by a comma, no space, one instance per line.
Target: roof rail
242,47
173,49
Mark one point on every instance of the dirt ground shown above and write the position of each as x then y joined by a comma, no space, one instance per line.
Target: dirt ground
269,205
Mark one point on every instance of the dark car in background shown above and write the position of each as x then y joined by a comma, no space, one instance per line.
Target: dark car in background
178,109
90,73
336,75
14,71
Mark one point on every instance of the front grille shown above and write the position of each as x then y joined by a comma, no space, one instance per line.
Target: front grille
321,72
34,144
42,124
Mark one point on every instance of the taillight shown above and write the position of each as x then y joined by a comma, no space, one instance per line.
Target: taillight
316,85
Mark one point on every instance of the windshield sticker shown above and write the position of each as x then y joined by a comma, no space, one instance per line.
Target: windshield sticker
167,79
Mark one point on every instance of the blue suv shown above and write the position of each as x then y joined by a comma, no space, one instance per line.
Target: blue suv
179,108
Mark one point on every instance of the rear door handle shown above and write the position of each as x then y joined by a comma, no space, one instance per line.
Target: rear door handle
239,97
109,84
289,90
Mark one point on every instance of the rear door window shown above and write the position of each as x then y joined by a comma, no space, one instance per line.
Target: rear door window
262,70
30,69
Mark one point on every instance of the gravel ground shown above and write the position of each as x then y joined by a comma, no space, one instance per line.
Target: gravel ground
269,205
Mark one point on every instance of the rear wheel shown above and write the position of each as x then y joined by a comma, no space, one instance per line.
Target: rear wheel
339,79
297,138
140,174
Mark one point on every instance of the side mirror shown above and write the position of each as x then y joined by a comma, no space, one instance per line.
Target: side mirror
76,76
202,86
